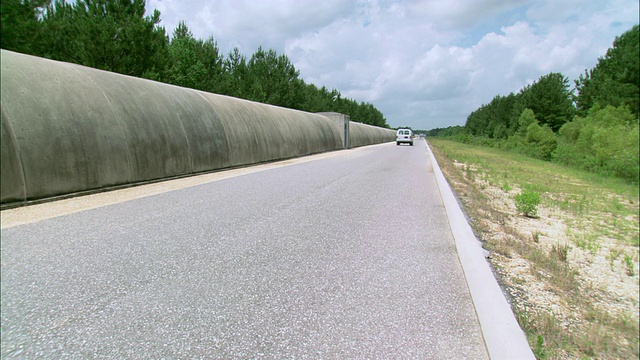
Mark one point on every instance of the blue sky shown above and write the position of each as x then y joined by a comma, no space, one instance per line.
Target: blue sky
424,64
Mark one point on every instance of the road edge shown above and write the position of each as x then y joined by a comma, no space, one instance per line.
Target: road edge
503,336
48,208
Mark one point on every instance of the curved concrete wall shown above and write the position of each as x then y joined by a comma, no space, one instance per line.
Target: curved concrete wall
68,128
359,134
363,134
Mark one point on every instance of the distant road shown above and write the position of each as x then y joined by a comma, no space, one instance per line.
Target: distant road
347,256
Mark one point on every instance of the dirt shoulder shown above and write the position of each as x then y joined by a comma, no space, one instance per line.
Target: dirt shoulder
573,289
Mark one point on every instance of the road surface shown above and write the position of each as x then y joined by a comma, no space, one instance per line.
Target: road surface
348,255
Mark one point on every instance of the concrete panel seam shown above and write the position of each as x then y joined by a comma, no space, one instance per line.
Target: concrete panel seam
16,147
120,125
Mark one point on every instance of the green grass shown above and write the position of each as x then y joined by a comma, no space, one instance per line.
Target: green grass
568,189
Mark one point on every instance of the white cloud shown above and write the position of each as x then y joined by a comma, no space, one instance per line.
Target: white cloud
461,14
423,63
247,24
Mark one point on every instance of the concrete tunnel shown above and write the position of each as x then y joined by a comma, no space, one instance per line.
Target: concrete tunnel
70,129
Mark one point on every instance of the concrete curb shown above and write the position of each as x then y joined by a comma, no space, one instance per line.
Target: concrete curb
503,336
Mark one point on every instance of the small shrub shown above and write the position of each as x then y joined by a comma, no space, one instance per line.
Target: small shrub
560,251
629,262
470,174
613,255
527,203
540,351
536,237
506,187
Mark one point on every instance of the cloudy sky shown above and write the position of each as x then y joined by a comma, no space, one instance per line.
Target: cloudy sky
423,63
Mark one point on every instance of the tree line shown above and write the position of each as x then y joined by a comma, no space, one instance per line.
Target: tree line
593,126
115,35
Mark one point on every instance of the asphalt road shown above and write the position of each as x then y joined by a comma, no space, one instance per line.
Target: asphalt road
348,256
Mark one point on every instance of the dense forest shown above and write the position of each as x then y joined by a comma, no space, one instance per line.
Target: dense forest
593,126
115,35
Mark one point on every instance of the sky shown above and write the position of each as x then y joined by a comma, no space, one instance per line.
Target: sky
423,63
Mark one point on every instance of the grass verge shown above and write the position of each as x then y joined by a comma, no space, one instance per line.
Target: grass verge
572,270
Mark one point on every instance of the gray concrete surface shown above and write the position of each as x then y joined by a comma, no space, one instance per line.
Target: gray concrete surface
68,128
363,134
351,256
341,121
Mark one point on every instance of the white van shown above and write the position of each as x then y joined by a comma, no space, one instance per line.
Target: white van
404,136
